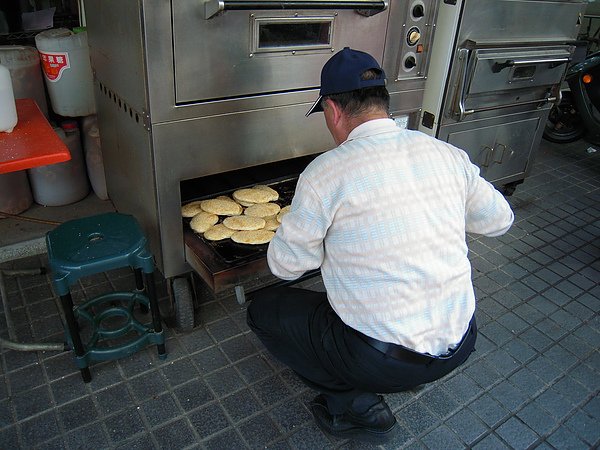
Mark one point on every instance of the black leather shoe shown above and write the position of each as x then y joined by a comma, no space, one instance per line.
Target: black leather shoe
377,425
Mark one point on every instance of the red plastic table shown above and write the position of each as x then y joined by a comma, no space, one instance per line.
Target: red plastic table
32,143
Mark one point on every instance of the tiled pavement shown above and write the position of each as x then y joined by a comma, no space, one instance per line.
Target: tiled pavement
532,383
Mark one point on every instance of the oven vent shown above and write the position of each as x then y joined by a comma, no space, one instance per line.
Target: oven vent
140,118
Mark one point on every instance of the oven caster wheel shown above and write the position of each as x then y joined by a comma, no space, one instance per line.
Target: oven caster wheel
509,189
183,304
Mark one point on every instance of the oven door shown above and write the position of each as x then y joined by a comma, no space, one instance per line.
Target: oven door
250,50
491,79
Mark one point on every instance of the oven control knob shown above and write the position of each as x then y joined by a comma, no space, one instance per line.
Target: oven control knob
413,36
418,12
410,62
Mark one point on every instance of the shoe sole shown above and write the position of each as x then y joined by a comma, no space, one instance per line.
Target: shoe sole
362,434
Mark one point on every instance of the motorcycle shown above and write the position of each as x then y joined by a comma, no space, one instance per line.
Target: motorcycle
577,115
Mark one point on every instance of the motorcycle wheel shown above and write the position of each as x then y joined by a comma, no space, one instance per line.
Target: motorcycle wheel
564,123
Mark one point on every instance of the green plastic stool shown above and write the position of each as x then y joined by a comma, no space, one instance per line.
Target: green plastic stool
87,246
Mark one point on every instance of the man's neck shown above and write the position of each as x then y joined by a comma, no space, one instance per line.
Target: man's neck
363,118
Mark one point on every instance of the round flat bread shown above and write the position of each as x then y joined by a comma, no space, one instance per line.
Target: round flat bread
203,221
270,190
218,232
245,203
283,212
254,237
221,207
191,209
244,222
262,210
252,195
271,223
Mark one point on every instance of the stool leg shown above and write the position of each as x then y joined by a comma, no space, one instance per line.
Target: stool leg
156,323
67,304
139,285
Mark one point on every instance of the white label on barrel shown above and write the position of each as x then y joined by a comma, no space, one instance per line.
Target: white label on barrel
54,64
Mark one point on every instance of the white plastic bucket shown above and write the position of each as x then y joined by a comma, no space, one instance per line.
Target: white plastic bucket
62,183
24,65
66,65
8,109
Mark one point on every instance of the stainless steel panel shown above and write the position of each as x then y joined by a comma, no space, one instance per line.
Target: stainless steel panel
218,58
407,18
520,20
501,69
501,147
116,51
128,164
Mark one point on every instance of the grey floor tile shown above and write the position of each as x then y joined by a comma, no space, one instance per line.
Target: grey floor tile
160,409
418,418
310,437
565,438
241,405
489,410
209,360
224,381
509,395
124,424
193,394
537,419
467,425
113,399
442,437
491,442
89,436
175,435
516,434
271,390
208,420
259,431
585,428
148,385
39,429
290,415
228,438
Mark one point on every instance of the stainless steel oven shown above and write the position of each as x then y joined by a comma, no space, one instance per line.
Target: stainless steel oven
199,97
499,69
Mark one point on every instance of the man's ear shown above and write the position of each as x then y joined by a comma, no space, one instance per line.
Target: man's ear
336,111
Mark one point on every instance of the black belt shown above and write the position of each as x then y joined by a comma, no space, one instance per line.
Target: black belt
402,353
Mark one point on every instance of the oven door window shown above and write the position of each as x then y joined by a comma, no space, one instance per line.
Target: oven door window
283,34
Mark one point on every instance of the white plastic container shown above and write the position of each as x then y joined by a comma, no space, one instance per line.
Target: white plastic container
24,65
66,65
8,110
63,183
15,194
93,156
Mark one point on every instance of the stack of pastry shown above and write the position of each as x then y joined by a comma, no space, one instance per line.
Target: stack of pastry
250,217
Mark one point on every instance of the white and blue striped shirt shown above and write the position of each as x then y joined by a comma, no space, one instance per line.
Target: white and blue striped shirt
384,215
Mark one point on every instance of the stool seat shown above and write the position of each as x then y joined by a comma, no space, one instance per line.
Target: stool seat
95,244
90,245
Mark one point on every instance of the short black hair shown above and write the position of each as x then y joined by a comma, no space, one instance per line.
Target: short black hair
355,103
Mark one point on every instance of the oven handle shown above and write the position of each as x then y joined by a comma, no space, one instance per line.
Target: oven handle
497,67
509,105
214,7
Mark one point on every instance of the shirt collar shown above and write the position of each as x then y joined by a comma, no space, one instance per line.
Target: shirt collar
372,127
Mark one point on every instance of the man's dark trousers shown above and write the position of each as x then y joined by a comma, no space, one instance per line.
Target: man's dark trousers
300,328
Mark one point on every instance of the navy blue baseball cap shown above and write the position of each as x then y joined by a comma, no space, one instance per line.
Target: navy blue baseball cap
342,74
